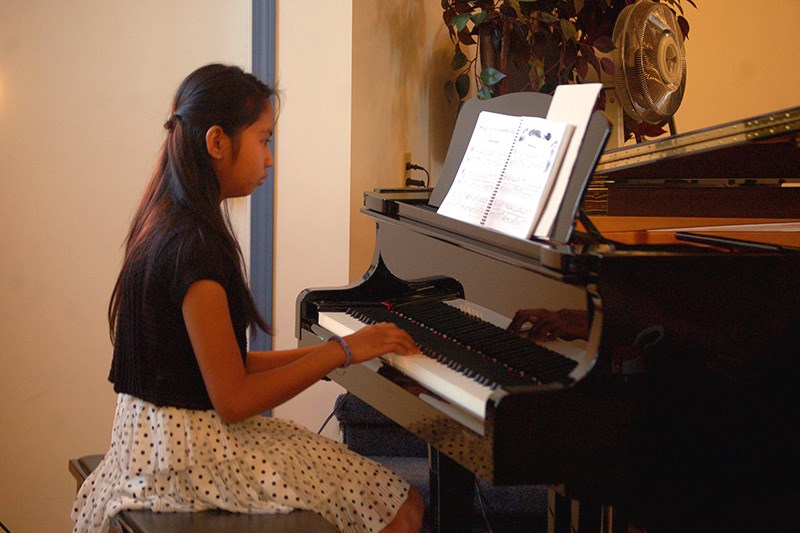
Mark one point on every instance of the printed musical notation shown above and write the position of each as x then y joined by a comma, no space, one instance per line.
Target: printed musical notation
507,170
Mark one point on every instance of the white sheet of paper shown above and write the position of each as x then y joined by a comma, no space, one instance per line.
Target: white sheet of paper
572,104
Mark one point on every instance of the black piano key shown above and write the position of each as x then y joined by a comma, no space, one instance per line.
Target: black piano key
445,351
494,342
477,349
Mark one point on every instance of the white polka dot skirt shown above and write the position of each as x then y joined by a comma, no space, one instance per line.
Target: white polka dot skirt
170,459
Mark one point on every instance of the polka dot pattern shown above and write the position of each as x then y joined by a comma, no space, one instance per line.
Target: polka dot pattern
171,459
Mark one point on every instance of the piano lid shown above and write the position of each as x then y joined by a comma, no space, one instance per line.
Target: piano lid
764,146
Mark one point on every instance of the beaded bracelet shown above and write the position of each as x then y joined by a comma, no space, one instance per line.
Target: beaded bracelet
347,355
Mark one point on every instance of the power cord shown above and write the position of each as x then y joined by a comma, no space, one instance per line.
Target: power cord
336,409
483,508
418,183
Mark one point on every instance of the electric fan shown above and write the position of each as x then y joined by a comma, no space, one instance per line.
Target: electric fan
650,64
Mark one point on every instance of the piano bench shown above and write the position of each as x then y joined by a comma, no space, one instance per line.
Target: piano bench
201,522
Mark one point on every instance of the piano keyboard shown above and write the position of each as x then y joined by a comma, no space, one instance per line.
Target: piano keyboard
468,362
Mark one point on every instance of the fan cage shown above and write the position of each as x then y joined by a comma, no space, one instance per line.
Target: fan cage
650,61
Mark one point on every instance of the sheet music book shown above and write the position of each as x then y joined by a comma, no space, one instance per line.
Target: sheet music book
508,168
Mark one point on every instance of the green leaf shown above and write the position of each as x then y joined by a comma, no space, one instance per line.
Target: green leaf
479,17
578,5
604,44
462,85
568,29
485,94
512,8
460,21
547,17
676,4
608,66
539,77
459,60
449,90
582,68
490,76
683,24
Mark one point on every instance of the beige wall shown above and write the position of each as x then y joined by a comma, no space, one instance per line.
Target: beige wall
375,94
742,61
312,173
400,65
83,88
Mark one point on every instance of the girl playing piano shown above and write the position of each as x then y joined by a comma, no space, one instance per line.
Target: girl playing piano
186,434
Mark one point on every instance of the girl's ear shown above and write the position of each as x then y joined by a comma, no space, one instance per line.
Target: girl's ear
215,142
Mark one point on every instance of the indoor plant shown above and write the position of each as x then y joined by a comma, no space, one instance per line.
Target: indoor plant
533,45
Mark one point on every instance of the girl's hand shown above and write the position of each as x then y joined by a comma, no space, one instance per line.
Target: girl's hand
543,324
376,340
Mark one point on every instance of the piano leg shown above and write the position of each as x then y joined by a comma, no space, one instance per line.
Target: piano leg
565,515
452,491
559,512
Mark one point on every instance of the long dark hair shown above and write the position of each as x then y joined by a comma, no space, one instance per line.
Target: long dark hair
184,187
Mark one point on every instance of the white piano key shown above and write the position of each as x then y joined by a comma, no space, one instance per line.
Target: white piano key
450,384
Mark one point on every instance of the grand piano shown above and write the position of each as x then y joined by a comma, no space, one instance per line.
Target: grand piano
678,403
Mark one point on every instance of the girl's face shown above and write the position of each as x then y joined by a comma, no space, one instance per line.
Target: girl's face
239,174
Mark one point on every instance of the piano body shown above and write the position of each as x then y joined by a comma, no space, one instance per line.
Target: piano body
679,404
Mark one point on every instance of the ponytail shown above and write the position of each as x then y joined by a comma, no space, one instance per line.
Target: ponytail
184,186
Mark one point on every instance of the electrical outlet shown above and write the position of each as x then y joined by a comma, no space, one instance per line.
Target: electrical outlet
405,173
